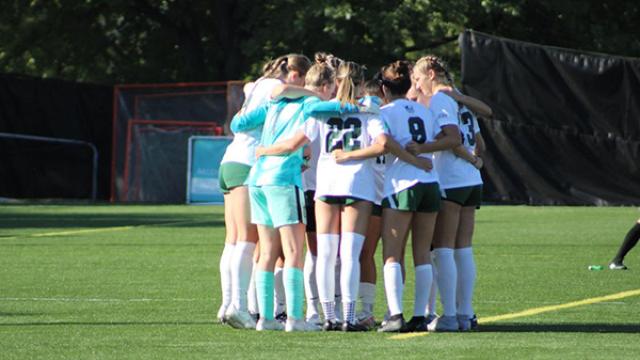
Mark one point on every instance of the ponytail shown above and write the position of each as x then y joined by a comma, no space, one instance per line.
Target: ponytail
351,75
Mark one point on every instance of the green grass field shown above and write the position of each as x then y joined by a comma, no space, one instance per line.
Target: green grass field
141,282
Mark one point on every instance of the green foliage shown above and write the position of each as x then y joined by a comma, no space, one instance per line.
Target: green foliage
112,41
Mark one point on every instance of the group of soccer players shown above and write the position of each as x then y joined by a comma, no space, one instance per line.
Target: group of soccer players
322,156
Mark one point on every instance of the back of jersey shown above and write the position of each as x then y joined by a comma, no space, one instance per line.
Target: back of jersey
407,121
348,133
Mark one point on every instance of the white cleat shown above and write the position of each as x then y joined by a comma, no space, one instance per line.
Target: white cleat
300,325
240,319
264,324
314,319
443,323
221,314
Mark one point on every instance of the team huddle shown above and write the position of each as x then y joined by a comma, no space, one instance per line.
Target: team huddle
321,156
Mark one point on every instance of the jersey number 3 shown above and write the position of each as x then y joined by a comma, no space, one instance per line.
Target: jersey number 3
347,140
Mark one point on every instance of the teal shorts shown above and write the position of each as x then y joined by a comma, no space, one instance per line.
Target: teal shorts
231,175
276,206
421,197
464,196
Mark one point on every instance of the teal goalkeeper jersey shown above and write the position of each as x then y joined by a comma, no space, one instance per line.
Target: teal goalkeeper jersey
280,121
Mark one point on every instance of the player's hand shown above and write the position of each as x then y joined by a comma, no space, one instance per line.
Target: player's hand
340,156
478,162
259,151
424,163
413,147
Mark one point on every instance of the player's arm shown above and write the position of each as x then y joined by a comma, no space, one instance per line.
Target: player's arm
477,106
480,145
448,138
283,147
291,92
375,149
396,149
250,120
463,153
328,109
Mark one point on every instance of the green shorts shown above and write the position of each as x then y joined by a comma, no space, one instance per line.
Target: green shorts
310,210
421,197
232,175
464,196
340,200
276,206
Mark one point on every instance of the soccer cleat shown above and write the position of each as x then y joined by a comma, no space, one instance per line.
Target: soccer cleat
474,322
331,326
444,323
368,321
264,324
300,325
431,317
617,266
349,327
464,322
282,317
395,323
240,319
221,315
314,319
416,324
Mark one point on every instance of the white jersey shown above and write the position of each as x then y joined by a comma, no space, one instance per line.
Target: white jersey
309,175
350,132
408,121
454,171
243,147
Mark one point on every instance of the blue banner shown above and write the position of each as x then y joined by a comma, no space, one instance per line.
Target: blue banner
205,153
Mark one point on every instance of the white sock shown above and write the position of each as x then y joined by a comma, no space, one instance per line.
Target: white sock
279,298
422,288
350,248
433,294
338,290
225,274
325,270
368,297
310,285
393,287
447,279
252,295
466,279
241,268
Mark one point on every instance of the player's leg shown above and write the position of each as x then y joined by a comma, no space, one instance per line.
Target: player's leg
395,228
466,267
443,243
225,258
367,290
279,297
328,240
270,249
630,240
310,284
354,222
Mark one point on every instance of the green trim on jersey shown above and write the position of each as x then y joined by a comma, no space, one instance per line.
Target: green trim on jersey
421,197
231,175
464,196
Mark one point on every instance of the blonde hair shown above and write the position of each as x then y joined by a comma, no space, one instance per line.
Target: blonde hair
282,65
351,75
432,62
322,72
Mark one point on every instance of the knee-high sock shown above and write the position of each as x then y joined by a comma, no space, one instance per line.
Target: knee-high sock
466,267
252,296
422,288
225,274
279,298
241,268
350,248
310,284
630,240
264,291
433,294
325,272
338,296
393,287
447,279
367,295
294,289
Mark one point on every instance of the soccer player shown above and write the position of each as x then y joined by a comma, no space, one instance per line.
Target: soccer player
277,201
411,197
630,240
237,259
